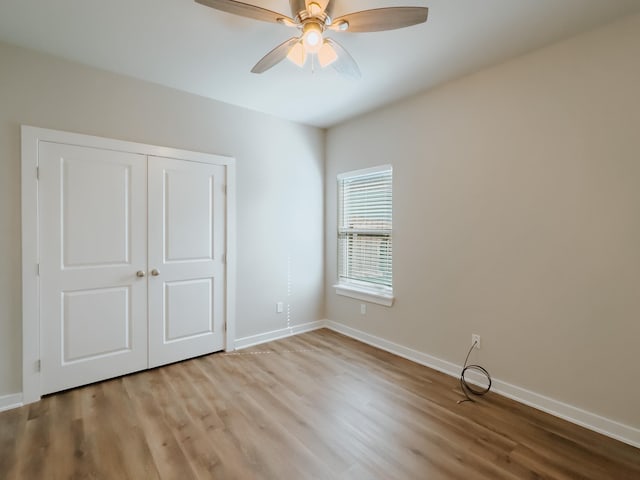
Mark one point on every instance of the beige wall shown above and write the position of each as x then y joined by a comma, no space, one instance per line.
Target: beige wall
517,217
517,208
279,181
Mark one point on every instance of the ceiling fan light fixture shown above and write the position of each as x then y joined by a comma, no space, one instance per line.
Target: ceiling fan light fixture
327,54
297,55
312,37
312,18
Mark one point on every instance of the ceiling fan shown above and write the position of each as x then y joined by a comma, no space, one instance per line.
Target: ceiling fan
313,18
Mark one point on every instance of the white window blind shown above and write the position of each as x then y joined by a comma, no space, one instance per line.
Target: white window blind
364,228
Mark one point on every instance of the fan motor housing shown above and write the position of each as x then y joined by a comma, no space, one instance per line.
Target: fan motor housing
300,11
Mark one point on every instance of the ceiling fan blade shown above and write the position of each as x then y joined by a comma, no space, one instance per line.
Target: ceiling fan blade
345,64
245,10
275,56
297,6
380,19
329,8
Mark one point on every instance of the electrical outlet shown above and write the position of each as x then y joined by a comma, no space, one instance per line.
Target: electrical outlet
279,307
475,338
363,309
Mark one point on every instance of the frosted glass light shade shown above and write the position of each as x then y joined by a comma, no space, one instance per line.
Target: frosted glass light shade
297,54
327,55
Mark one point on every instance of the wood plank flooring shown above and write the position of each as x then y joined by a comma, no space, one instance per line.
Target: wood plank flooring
315,406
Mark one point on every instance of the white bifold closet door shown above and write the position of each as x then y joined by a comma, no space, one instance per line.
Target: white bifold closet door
93,241
186,248
131,262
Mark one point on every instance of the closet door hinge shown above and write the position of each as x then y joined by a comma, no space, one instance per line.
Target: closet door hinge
37,173
38,269
38,365
224,258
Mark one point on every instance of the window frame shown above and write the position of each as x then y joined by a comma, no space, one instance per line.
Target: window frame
362,290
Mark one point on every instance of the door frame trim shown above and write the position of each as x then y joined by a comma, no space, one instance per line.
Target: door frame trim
31,138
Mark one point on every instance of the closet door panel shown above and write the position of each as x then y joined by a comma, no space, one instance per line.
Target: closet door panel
92,222
186,259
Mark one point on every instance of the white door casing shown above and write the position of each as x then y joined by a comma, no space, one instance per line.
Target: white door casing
93,207
99,246
186,259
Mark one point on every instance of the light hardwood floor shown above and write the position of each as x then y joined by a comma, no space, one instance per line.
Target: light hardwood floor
316,406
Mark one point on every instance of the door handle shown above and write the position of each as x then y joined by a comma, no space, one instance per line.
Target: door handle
155,272
140,274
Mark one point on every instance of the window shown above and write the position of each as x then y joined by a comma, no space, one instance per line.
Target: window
365,235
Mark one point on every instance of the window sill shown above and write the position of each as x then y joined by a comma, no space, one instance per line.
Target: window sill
365,294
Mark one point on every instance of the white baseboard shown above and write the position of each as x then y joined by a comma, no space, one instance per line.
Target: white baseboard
7,402
404,352
246,342
592,421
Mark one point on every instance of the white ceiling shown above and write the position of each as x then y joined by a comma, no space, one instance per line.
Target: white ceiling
184,45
